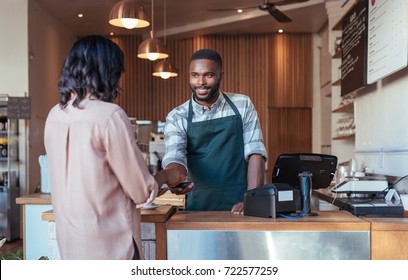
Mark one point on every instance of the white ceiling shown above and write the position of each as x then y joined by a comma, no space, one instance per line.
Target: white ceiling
185,18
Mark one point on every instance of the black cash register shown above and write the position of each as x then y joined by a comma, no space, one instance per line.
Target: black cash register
293,178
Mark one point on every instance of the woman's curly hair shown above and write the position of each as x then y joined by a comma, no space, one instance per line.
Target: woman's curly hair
94,65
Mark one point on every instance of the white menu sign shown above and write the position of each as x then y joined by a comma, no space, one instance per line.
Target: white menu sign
387,38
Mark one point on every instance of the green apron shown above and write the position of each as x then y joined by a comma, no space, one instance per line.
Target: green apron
216,162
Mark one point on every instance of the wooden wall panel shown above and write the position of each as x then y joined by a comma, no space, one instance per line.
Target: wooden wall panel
291,133
147,97
172,92
135,98
291,71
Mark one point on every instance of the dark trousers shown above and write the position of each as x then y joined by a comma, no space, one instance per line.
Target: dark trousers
136,255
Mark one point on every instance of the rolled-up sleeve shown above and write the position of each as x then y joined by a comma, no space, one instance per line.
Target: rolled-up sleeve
175,138
253,138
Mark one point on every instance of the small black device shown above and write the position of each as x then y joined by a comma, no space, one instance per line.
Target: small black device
375,207
287,199
260,202
182,185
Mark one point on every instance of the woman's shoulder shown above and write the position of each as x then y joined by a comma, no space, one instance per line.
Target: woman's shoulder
55,110
105,110
101,107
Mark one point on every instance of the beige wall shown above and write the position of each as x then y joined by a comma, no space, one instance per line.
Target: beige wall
322,93
49,42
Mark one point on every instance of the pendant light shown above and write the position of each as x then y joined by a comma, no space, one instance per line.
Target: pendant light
129,14
164,69
152,48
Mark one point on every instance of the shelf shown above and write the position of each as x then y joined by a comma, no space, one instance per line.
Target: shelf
344,137
337,82
325,84
337,54
338,25
325,88
348,108
5,159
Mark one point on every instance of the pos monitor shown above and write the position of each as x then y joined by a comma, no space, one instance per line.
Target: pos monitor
305,171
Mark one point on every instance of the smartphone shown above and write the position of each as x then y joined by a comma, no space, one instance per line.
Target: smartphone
182,185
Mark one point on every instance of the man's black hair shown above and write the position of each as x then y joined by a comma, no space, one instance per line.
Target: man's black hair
207,54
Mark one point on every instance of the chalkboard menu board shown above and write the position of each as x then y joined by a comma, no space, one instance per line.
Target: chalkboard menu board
19,108
354,46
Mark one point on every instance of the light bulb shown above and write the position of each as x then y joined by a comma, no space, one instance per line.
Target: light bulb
165,75
129,23
152,56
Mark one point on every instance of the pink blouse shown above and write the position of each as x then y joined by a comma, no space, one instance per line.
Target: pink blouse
98,176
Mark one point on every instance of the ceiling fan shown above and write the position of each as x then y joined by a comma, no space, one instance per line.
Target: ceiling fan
268,6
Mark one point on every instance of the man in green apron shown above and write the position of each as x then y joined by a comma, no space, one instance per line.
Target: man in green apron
216,138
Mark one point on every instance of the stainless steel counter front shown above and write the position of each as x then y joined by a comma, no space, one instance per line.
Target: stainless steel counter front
224,236
267,245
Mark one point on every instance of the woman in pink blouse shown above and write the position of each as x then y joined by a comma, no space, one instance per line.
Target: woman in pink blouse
99,179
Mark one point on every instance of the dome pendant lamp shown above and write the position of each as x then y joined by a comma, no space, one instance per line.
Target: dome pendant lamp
164,69
129,14
152,48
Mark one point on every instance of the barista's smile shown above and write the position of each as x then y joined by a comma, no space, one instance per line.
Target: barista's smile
202,90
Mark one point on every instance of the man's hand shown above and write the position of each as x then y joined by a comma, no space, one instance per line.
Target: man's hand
173,187
238,209
177,190
168,178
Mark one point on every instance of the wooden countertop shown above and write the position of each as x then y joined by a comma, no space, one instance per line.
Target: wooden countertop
158,215
326,194
388,224
220,220
35,198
